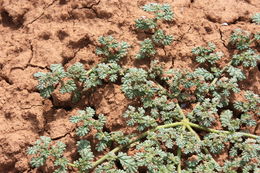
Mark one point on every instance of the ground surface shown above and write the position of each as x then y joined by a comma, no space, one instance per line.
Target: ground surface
37,33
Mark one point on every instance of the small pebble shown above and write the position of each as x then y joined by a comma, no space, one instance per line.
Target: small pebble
224,24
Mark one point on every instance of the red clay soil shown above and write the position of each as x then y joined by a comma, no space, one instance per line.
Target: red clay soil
37,33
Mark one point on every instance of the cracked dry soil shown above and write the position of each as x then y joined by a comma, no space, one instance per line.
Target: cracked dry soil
37,33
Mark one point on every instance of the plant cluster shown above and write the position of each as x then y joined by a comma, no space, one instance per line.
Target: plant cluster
76,79
175,106
158,38
256,18
243,40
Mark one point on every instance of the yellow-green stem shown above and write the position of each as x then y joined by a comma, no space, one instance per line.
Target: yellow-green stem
179,156
115,150
222,131
179,149
198,138
181,112
185,122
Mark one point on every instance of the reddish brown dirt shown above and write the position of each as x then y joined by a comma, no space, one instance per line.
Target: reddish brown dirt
37,33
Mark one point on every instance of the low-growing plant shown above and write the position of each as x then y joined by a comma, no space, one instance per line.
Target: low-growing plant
76,79
158,38
207,54
243,41
111,49
240,39
256,18
184,119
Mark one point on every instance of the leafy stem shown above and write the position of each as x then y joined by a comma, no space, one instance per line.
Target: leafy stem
222,131
141,136
222,71
185,123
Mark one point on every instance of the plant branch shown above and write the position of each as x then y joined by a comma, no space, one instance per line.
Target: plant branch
179,156
222,131
222,71
185,123
214,81
115,150
179,152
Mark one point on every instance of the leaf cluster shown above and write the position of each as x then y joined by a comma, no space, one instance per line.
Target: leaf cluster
256,18
43,149
243,40
77,79
161,12
208,55
111,49
172,123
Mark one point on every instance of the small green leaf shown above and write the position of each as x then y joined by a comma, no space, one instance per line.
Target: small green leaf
128,162
256,18
68,87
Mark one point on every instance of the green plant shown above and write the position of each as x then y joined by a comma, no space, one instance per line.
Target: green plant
161,12
147,49
243,41
111,49
76,79
43,150
207,54
176,117
256,18
248,58
240,39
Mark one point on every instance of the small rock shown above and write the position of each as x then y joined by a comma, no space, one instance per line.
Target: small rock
224,24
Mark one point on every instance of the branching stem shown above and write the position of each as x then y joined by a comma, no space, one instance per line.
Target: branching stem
179,150
115,150
222,131
184,123
214,81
